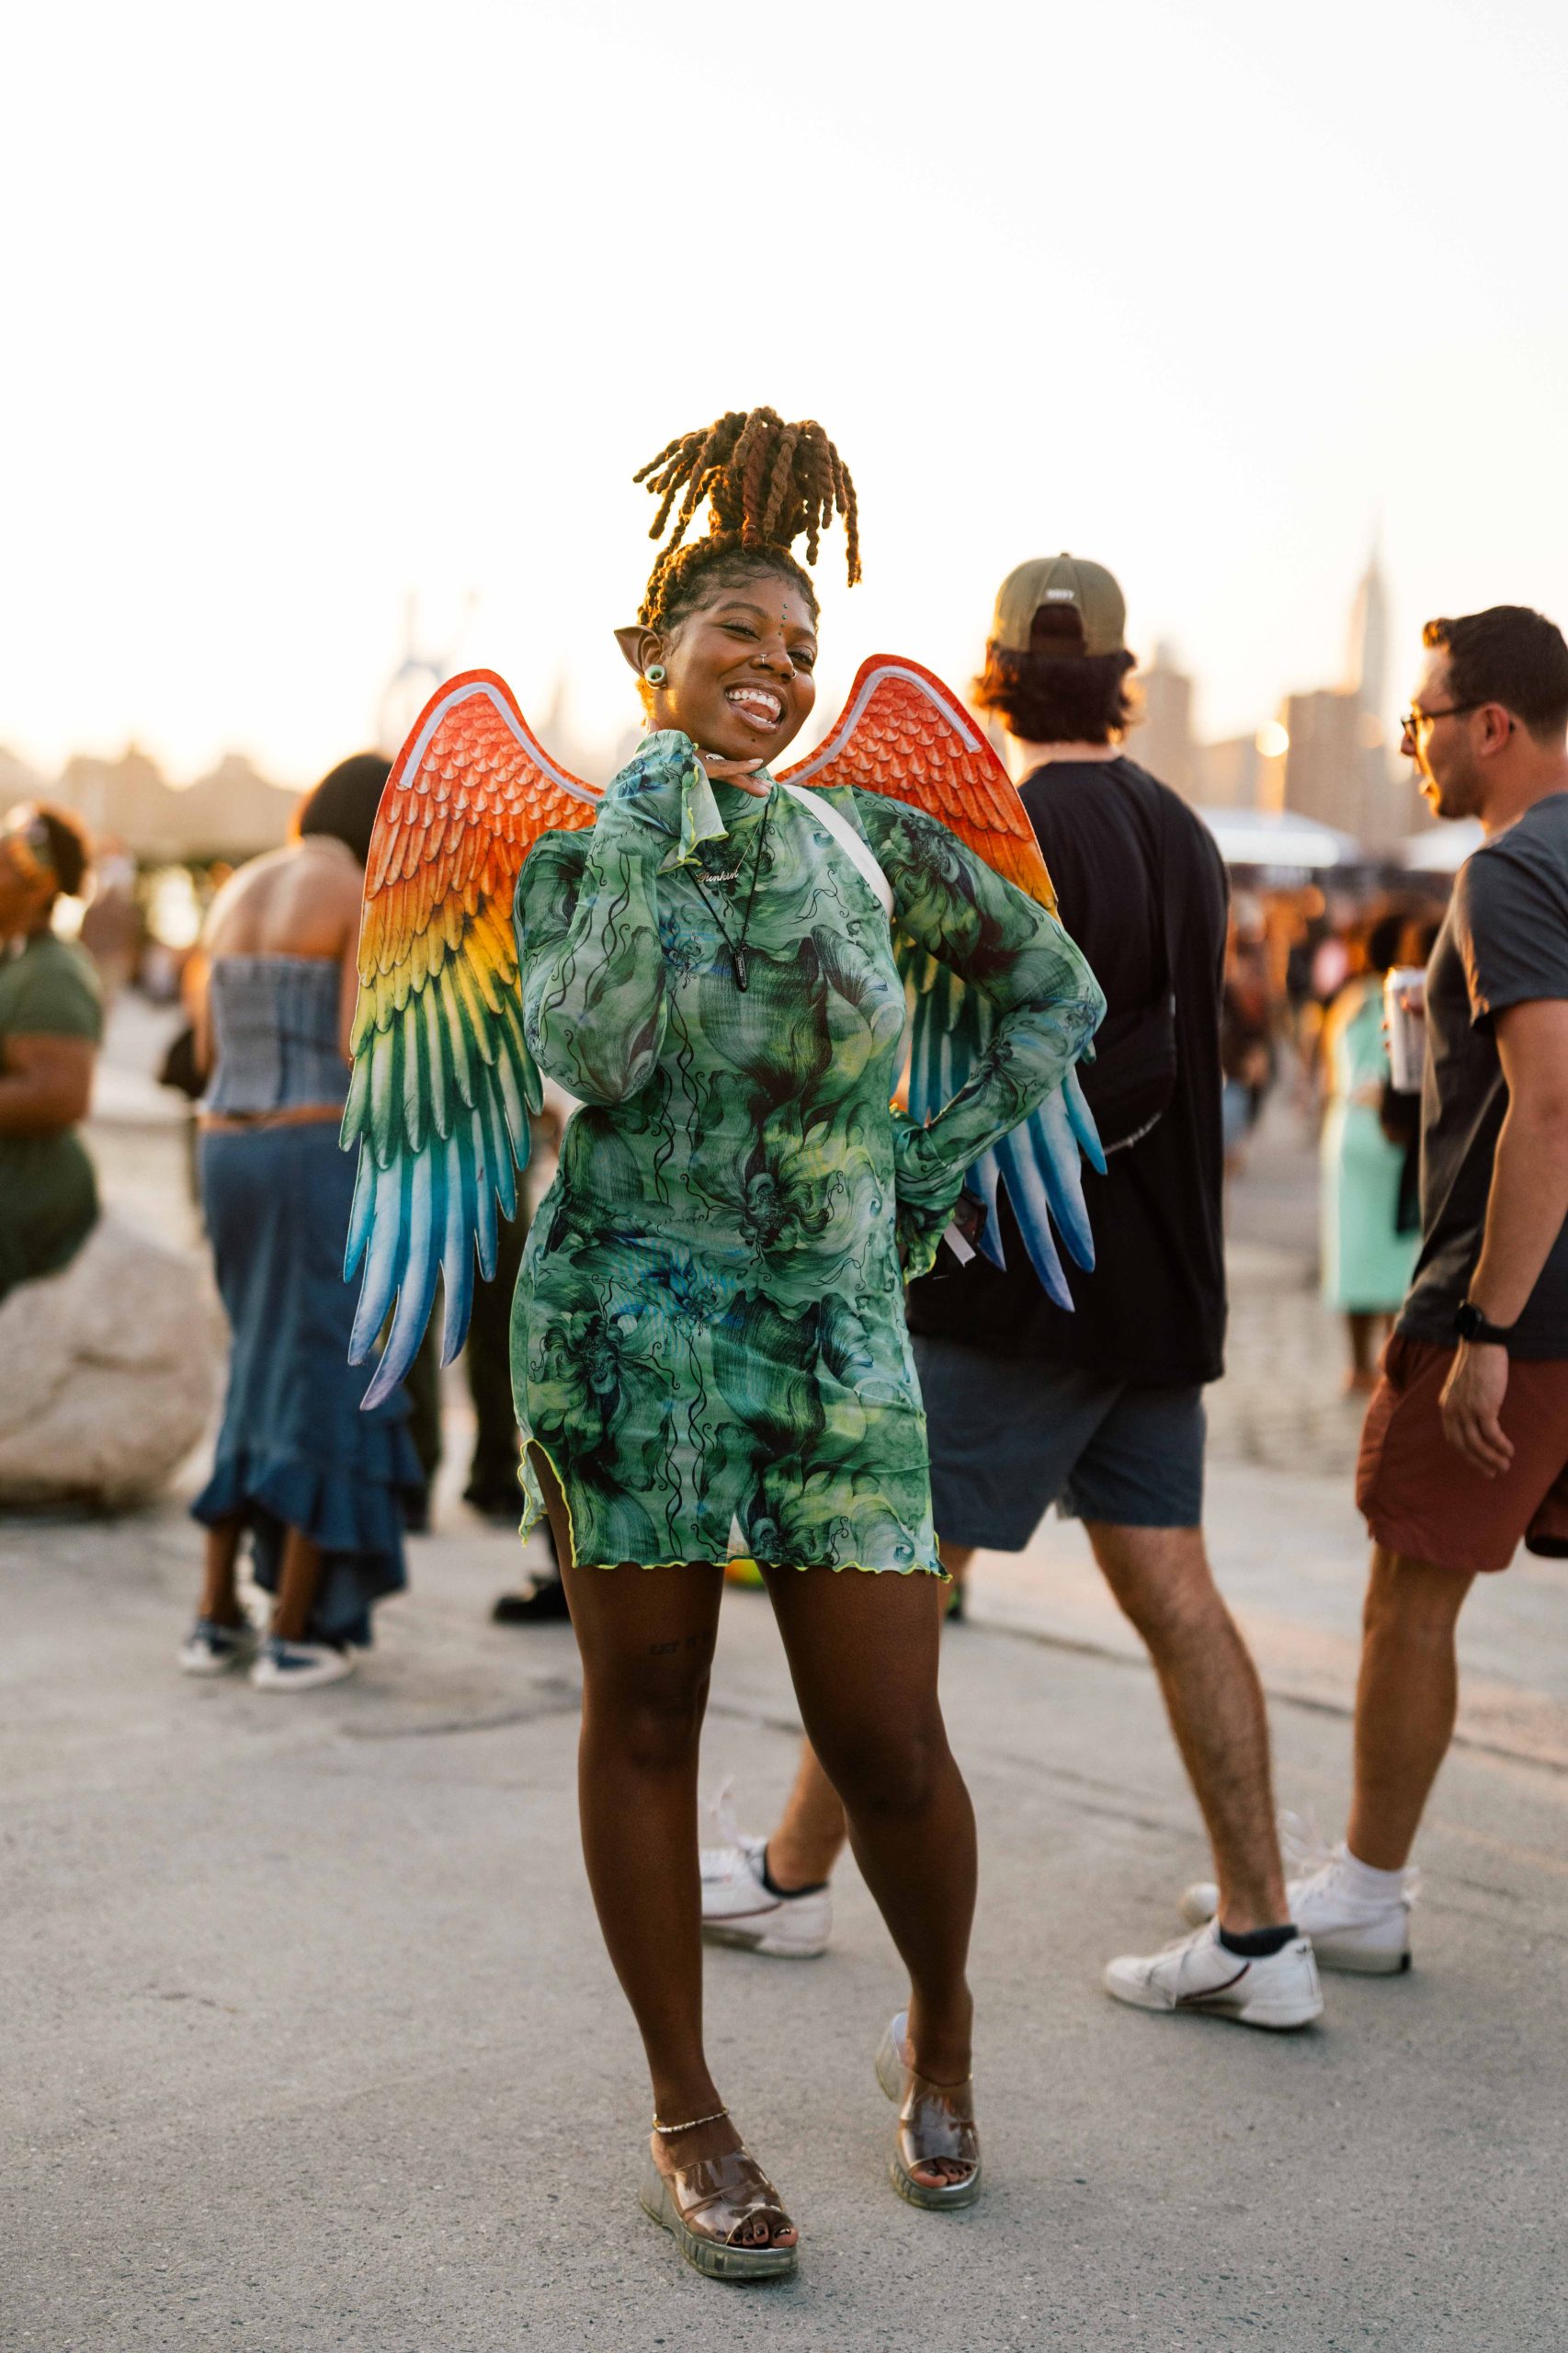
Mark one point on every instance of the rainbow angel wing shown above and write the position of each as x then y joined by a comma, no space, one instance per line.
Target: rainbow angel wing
904,734
443,1083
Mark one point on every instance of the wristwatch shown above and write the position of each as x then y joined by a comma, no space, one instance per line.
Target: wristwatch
1470,1324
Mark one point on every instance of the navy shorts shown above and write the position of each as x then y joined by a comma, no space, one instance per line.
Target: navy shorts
1011,1436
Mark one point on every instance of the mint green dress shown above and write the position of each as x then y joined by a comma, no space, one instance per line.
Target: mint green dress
1367,1261
707,1336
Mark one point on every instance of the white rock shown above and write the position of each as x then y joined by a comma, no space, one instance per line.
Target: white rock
108,1370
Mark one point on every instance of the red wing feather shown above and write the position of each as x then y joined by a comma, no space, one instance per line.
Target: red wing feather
904,734
469,795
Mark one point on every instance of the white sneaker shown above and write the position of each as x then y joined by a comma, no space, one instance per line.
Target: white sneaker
299,1666
1197,1973
1347,1931
211,1649
739,1908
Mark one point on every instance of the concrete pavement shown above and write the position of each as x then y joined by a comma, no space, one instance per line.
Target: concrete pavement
311,2041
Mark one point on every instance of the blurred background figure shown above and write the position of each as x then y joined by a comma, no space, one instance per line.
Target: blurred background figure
51,1025
1247,1028
112,930
492,1488
1369,1237
106,1355
321,1485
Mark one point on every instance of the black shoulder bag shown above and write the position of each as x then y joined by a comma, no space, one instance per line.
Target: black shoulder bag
1132,1077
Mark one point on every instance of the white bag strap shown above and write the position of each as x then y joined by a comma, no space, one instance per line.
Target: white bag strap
848,840
855,846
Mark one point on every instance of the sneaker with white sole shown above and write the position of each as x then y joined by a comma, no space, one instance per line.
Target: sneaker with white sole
299,1666
1348,1931
1197,1973
212,1649
739,1908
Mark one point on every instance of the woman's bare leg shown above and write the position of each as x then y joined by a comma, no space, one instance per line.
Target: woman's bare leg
297,1583
646,1638
220,1598
1366,1333
811,1830
863,1652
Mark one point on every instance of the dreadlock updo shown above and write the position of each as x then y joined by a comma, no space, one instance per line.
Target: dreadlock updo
768,485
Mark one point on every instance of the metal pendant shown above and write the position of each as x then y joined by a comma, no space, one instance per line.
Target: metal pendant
741,973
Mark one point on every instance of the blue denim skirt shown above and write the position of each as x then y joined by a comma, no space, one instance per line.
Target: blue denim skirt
294,1449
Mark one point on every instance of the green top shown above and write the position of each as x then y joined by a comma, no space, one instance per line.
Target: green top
709,1337
49,1201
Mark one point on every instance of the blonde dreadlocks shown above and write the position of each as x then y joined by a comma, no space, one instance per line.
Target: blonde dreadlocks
768,485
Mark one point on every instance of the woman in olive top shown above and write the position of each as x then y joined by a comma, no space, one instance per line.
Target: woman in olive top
51,1022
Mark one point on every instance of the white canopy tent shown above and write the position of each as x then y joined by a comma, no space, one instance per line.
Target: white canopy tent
1444,849
1279,838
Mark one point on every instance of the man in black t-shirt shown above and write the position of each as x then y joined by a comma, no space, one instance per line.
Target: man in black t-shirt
1465,1449
1094,1402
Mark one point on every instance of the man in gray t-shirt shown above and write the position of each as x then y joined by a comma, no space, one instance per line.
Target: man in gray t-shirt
1504,943
1465,1449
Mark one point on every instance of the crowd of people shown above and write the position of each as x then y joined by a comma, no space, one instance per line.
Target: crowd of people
750,1317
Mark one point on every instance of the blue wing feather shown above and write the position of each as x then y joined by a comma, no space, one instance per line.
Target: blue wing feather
1083,1120
383,1254
1040,1163
1031,1196
457,1249
985,1181
1054,1147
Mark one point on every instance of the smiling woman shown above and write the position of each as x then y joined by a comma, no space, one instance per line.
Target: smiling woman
712,605
709,1354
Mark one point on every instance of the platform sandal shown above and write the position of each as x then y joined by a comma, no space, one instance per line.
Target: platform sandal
934,2120
704,2204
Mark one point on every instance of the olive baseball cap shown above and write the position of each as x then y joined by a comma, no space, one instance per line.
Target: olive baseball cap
1087,589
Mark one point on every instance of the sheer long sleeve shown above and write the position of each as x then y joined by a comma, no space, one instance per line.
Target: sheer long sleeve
1045,1003
587,925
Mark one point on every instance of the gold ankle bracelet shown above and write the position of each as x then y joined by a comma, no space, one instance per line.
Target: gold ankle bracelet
692,2123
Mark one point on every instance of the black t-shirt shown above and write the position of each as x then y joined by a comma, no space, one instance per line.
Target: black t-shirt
1504,942
1152,1311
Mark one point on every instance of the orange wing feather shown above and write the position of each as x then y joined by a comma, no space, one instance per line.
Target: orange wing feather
904,734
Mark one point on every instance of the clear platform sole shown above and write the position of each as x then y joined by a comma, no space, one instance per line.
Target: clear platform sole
952,2196
710,2257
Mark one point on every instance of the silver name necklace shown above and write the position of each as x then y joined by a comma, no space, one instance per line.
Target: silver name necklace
737,948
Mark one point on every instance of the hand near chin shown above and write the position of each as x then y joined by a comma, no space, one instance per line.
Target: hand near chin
724,771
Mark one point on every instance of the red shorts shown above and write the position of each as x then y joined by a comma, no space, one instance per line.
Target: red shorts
1421,1499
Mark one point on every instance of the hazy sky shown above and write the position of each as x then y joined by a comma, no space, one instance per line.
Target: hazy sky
307,306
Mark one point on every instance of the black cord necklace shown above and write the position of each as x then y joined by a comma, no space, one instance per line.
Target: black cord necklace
738,947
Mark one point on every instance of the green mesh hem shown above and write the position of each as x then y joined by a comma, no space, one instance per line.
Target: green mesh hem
865,1568
533,1512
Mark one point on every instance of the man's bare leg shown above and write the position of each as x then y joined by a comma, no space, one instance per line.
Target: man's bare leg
1406,1701
811,1830
1162,1579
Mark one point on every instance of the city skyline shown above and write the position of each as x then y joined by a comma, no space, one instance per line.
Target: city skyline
1196,293
1325,755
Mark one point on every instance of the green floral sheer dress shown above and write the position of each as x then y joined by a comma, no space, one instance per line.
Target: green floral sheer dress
708,1339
